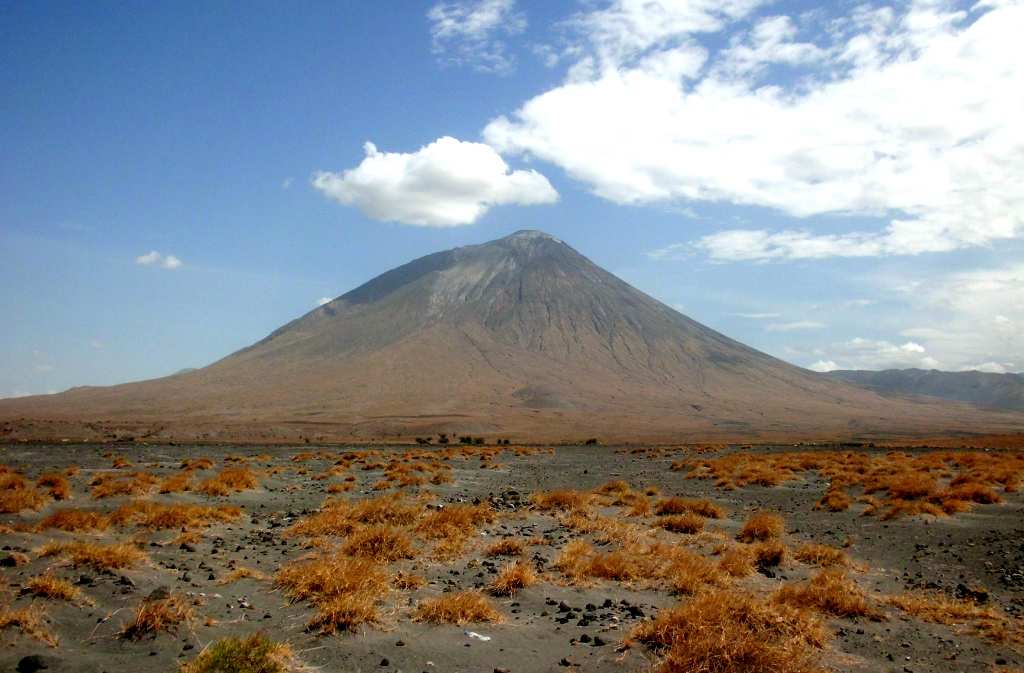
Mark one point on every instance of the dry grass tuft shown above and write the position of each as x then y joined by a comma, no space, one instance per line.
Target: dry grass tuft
49,586
457,608
383,544
737,561
75,521
831,592
19,496
564,500
938,608
682,523
732,632
344,590
56,484
761,526
253,654
227,481
156,615
242,573
408,581
704,508
157,516
112,556
506,547
176,483
110,484
821,555
512,578
30,620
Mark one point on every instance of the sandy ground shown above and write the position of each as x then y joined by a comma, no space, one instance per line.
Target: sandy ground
548,627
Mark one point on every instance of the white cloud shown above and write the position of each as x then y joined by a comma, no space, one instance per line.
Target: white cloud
154,258
758,316
323,300
823,366
861,353
287,183
910,115
96,344
447,183
796,325
469,32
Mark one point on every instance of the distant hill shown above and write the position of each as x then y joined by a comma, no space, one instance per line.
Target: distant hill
982,389
522,337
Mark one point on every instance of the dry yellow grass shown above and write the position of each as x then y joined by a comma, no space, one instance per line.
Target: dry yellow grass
761,526
75,521
737,561
242,573
704,508
512,578
821,555
50,586
408,581
229,480
564,500
99,556
159,516
457,608
110,484
156,615
344,590
384,544
506,547
30,621
938,608
829,591
20,497
733,632
682,523
56,484
176,483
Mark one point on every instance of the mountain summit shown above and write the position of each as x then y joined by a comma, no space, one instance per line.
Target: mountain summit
521,336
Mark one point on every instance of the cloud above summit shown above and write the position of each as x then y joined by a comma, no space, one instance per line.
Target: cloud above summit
447,183
906,114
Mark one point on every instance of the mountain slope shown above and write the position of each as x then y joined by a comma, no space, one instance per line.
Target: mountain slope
982,389
520,336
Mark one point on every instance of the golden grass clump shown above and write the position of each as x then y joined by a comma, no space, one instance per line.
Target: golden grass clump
341,517
75,521
112,484
761,526
737,561
506,547
821,555
688,572
229,480
682,523
57,485
565,500
939,608
16,495
176,483
344,590
50,586
704,508
512,578
408,581
732,632
381,543
156,615
454,520
253,654
158,516
196,464
457,608
831,592
30,620
99,556
243,573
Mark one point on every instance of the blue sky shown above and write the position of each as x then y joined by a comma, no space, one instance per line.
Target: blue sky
840,188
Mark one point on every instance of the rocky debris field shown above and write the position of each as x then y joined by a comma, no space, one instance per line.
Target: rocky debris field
520,559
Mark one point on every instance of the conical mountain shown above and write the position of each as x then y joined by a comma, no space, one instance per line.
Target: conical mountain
523,337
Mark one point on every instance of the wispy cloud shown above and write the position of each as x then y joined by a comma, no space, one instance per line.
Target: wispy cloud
470,32
794,326
323,300
154,258
758,316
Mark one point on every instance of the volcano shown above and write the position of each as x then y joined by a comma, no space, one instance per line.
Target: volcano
521,337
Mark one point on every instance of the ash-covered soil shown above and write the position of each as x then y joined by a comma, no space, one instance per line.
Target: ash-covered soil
554,625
